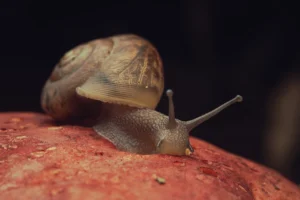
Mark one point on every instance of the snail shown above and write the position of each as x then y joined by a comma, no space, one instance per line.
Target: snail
118,81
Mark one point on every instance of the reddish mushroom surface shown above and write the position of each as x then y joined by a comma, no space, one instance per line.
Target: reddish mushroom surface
41,160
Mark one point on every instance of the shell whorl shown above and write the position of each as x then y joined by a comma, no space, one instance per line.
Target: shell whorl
122,69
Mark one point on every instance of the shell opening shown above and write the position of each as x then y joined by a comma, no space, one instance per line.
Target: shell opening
131,95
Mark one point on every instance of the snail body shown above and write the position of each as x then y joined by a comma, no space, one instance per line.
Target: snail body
118,81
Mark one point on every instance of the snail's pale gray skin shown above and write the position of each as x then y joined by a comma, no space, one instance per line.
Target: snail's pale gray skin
119,81
147,131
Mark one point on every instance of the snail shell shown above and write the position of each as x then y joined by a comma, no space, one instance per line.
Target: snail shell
122,69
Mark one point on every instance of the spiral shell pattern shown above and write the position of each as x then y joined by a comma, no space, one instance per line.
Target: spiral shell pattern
123,69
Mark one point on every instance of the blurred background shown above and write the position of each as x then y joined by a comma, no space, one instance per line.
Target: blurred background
211,51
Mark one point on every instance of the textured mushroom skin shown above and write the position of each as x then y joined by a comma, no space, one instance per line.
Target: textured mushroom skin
41,160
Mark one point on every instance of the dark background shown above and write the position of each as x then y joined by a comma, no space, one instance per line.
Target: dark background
211,51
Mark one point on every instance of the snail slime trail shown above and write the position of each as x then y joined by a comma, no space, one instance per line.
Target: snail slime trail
123,77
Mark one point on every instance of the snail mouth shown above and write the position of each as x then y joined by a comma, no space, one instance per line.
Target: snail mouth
120,93
189,150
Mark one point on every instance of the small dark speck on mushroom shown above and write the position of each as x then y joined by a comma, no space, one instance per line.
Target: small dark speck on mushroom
160,180
276,187
99,153
208,171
